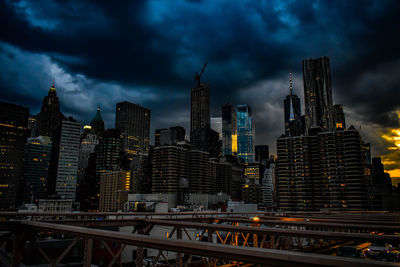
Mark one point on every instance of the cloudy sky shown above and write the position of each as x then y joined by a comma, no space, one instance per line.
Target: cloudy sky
147,52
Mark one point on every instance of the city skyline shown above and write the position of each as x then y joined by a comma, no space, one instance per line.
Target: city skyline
245,66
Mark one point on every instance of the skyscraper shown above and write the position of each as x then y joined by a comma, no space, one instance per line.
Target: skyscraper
64,159
318,93
13,135
229,130
200,116
245,133
50,115
292,113
134,123
97,124
37,162
339,120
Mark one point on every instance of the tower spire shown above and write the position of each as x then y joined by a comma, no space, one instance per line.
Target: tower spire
290,83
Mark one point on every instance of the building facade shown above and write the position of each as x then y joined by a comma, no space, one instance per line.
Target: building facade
133,121
13,135
114,189
200,116
245,133
324,170
37,162
229,130
318,93
64,159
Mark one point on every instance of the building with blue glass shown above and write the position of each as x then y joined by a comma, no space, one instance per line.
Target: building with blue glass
245,133
37,162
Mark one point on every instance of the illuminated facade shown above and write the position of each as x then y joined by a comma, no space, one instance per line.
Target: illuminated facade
318,93
13,135
133,121
324,170
114,188
64,159
37,162
245,133
229,130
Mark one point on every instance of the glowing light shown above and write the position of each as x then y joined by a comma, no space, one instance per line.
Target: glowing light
255,219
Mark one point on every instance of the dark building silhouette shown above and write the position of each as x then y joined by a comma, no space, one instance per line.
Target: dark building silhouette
141,167
200,116
180,132
229,130
339,120
318,93
262,153
13,135
97,124
321,170
133,121
157,136
37,163
50,115
169,136
292,113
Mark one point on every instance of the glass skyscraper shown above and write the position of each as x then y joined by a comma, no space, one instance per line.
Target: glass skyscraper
245,133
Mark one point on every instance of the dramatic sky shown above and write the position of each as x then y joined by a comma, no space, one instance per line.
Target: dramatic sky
147,52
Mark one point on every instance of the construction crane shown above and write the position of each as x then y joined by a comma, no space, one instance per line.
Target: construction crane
198,76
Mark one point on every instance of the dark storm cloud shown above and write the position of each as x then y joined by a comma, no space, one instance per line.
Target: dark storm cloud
147,52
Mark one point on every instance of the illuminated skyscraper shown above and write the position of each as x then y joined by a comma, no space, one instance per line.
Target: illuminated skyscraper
318,93
293,125
37,162
50,115
13,135
229,130
245,133
134,123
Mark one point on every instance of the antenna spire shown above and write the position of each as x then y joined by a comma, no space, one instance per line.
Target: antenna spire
290,83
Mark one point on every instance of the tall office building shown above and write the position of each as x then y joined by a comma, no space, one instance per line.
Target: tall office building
37,162
200,116
318,93
321,170
64,159
89,141
292,109
245,133
97,124
339,120
50,115
141,171
229,130
157,136
134,123
13,135
262,153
